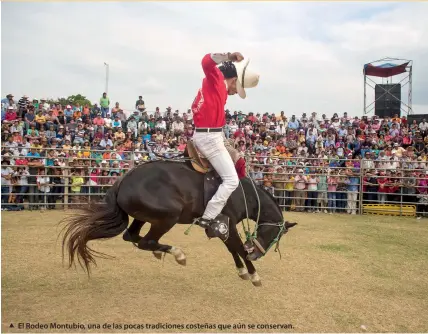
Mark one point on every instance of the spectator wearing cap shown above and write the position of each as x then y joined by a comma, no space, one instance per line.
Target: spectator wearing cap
77,114
279,179
115,110
51,133
98,123
107,123
341,191
353,181
79,134
77,182
119,136
136,116
105,105
86,113
44,106
23,105
11,115
312,194
6,181
117,123
300,181
95,110
68,113
8,102
177,127
34,163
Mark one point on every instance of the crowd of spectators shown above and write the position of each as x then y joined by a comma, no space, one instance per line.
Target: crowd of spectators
310,163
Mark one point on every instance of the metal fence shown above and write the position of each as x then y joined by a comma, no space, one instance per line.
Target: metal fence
298,184
345,186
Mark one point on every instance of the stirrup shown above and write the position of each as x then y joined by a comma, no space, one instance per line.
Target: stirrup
216,228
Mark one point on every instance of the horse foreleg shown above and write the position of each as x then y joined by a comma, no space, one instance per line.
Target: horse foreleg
150,242
132,233
242,271
234,243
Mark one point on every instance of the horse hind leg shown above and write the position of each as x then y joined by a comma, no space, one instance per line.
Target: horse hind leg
132,233
150,242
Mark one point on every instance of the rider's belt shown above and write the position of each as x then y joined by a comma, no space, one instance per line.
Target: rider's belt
209,129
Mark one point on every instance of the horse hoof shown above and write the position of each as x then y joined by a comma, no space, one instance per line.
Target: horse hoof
243,273
257,283
158,255
255,279
127,236
181,262
245,277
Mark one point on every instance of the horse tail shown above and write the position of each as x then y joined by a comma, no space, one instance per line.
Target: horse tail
98,221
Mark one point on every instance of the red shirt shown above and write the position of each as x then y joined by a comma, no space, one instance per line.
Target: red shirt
208,106
10,116
240,168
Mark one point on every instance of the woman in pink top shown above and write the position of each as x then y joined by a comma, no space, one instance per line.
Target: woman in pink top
331,188
182,145
422,184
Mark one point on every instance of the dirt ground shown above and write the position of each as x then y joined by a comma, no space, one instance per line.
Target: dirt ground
337,273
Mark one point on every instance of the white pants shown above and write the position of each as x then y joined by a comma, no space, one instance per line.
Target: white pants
352,202
211,145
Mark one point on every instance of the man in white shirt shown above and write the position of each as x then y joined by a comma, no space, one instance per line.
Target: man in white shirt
177,127
423,126
6,176
44,105
233,127
280,129
107,122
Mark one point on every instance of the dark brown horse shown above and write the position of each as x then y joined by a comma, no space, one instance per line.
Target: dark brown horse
166,193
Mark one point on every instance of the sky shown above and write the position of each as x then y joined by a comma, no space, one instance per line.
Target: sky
310,56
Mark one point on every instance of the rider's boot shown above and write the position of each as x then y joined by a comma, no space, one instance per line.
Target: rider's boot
216,228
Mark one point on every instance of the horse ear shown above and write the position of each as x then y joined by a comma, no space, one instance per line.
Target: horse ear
289,225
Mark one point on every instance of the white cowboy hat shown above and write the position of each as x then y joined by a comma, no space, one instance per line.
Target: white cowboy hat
246,78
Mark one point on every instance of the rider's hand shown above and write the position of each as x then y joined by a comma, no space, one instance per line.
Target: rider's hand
236,56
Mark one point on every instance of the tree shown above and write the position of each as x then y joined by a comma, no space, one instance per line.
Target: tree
72,100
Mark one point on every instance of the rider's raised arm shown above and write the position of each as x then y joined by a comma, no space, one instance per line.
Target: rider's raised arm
210,62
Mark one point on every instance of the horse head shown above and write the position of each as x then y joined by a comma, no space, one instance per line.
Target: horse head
270,226
268,234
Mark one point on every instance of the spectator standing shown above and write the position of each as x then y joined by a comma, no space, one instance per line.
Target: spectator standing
105,105
6,182
341,196
312,187
322,190
332,188
279,185
299,190
289,188
409,187
140,105
43,187
352,190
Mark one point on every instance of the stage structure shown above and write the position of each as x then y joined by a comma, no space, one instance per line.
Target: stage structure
387,95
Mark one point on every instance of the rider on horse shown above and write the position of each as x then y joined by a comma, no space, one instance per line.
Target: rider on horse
209,119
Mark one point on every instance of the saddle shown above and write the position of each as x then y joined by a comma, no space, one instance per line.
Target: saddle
200,164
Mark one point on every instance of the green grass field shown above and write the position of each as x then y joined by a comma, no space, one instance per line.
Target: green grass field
337,273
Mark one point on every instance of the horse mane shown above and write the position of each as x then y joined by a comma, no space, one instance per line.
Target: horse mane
264,191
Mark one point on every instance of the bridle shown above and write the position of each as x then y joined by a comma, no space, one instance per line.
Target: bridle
281,232
252,237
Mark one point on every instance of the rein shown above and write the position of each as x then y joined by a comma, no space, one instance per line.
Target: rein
252,237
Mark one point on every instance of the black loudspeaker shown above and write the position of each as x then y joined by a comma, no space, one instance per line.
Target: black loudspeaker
388,100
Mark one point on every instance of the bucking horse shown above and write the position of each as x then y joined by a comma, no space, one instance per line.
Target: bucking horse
164,193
